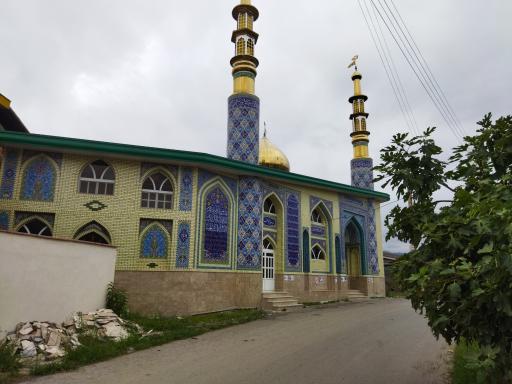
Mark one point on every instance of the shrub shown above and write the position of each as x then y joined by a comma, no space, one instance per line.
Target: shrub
117,300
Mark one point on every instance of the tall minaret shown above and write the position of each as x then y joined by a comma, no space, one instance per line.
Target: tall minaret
362,164
243,105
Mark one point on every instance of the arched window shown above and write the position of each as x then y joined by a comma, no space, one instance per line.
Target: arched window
240,47
317,253
250,47
317,217
305,250
216,226
97,178
154,242
157,192
269,207
267,244
93,232
39,180
35,227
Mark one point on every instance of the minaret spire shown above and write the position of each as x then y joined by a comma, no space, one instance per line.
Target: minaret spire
361,164
243,105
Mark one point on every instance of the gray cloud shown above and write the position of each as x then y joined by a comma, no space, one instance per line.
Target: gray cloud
157,72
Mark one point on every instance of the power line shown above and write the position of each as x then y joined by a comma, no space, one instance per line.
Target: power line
415,68
398,81
461,127
384,64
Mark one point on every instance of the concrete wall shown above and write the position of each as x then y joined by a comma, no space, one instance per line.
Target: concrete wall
49,279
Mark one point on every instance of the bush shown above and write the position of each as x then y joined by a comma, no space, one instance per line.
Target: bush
9,363
117,300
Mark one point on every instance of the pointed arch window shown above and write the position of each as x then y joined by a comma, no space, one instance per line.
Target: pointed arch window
97,178
269,207
157,192
240,47
36,226
267,244
317,217
317,253
250,47
93,232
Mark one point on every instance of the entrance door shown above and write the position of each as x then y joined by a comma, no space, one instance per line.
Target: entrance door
354,255
268,266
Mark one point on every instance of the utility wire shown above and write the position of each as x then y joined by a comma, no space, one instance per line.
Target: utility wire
461,127
394,72
415,68
384,64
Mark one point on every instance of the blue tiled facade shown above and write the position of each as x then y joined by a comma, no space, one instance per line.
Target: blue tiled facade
250,202
362,173
216,228
292,233
186,185
10,168
155,238
243,128
183,248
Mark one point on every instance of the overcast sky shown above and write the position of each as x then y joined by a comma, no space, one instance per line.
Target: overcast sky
157,73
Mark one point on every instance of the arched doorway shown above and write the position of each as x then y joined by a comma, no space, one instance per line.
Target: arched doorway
268,266
354,250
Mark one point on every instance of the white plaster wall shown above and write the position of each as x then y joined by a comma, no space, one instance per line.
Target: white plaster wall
49,279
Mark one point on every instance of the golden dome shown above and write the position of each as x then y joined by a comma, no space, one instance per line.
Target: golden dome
271,156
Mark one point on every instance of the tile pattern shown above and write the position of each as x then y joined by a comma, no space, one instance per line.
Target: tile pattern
293,262
186,185
95,205
4,220
243,128
373,261
362,173
306,249
39,178
205,176
216,228
9,174
154,242
320,242
183,247
55,156
269,221
271,234
172,169
317,230
250,203
313,201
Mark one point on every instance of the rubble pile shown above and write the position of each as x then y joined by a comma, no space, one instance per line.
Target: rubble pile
51,340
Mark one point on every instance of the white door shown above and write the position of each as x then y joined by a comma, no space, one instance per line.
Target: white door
267,261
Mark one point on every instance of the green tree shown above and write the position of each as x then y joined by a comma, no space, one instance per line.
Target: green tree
460,271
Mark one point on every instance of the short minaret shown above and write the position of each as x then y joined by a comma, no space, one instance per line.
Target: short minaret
362,164
243,104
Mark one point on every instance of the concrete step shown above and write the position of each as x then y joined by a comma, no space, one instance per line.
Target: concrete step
289,299
280,301
286,307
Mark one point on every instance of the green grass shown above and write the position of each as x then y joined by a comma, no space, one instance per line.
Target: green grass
461,374
165,330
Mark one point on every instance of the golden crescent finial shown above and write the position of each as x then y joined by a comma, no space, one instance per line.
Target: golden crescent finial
354,62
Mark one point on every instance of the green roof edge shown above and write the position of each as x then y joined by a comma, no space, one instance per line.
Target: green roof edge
178,155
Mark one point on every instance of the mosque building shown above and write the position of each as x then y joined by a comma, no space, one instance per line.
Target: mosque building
196,232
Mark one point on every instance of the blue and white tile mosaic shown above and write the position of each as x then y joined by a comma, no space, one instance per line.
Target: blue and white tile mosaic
269,221
183,248
317,230
293,262
9,174
313,201
55,156
4,220
216,228
155,238
243,128
250,202
205,176
362,173
39,179
186,186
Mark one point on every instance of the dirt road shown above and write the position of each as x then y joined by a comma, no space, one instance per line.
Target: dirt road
381,341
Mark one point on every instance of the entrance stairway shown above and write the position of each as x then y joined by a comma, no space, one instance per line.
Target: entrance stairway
356,295
279,302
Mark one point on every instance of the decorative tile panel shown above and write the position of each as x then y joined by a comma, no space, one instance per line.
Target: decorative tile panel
9,174
292,233
28,154
216,228
320,242
269,221
243,128
373,262
95,205
362,173
205,176
186,185
155,237
39,179
250,202
317,230
183,248
4,220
